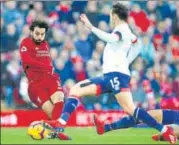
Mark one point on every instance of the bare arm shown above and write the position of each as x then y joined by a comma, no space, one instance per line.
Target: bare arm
107,37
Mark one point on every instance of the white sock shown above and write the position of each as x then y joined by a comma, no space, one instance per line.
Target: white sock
164,129
63,122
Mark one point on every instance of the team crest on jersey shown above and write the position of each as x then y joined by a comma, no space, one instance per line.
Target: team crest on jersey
23,49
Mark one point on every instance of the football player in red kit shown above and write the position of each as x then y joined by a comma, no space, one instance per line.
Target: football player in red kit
44,85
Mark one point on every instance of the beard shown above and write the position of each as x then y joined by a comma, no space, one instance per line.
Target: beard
38,42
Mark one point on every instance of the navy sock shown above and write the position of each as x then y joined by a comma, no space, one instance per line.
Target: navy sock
125,122
140,114
69,106
170,117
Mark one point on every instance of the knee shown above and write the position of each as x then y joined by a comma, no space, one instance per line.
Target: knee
49,114
75,91
130,110
57,97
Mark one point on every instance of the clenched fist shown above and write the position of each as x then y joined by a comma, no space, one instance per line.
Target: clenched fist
86,21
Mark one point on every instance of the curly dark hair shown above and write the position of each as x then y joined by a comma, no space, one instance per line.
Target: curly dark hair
120,10
40,24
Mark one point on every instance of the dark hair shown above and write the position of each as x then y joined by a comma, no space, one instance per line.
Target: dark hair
120,10
40,24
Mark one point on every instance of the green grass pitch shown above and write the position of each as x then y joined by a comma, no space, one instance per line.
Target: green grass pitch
83,136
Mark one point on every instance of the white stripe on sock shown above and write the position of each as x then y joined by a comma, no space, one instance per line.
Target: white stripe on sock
137,113
63,122
164,129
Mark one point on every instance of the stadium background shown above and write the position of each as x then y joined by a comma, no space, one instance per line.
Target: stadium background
77,54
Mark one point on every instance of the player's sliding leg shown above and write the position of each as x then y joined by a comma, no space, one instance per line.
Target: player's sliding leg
124,98
125,122
164,117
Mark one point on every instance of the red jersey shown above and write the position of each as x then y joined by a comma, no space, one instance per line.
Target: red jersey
36,59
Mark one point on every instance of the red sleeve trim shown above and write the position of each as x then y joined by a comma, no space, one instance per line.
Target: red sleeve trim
133,42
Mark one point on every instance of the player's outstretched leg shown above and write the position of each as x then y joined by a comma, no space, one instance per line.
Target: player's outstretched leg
165,117
126,101
125,122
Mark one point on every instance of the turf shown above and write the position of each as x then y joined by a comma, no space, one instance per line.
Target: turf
83,136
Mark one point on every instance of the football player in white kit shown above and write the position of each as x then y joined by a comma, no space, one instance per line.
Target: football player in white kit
121,49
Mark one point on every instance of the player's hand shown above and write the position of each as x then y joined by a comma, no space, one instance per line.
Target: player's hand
86,21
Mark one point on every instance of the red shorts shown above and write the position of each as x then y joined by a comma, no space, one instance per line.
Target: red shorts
41,91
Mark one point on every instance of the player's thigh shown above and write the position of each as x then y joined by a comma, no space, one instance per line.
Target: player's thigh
157,115
107,83
38,94
47,107
126,101
58,96
119,84
92,87
84,88
55,90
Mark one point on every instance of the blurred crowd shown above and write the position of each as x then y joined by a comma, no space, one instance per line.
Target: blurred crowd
77,53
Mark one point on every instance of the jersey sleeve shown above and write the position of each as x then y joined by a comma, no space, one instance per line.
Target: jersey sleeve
135,49
106,37
134,39
28,60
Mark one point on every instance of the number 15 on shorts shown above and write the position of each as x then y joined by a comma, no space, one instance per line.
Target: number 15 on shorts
115,83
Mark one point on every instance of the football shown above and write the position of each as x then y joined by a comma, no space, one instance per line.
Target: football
37,131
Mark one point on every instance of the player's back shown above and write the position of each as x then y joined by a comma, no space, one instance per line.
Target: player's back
115,54
36,60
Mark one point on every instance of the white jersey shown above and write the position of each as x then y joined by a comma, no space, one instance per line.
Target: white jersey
115,54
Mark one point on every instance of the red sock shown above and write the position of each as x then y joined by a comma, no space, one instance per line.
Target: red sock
57,110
